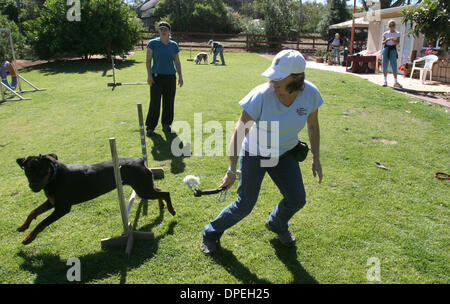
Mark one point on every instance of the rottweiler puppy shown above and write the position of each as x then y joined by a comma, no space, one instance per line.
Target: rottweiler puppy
66,185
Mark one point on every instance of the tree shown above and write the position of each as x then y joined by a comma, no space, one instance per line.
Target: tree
279,16
382,4
106,27
18,39
253,9
300,16
27,9
135,3
312,13
196,15
431,18
336,12
235,4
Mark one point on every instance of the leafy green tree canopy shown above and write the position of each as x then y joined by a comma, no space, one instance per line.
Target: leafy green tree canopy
18,40
106,27
337,12
196,15
431,18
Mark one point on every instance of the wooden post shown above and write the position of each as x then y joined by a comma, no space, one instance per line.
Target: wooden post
248,45
158,173
352,37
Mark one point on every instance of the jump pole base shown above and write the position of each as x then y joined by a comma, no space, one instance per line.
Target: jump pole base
129,235
114,84
158,173
127,240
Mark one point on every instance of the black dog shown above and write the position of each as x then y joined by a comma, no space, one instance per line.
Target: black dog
66,185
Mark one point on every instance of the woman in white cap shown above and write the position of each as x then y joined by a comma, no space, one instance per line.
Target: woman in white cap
280,108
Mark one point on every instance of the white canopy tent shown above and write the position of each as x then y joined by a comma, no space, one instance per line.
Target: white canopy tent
359,23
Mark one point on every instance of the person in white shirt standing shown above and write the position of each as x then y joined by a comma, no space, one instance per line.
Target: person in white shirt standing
336,46
291,102
391,39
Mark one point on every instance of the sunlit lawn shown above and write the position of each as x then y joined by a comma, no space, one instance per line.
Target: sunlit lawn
399,216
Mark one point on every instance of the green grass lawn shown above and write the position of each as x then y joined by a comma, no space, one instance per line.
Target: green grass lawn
400,215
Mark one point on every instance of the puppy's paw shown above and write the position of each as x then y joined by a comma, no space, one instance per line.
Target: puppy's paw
22,228
28,239
172,211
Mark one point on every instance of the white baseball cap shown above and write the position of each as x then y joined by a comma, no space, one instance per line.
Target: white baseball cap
285,63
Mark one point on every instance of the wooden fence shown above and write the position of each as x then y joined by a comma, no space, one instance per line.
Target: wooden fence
247,42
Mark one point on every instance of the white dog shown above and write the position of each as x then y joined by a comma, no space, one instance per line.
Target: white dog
201,56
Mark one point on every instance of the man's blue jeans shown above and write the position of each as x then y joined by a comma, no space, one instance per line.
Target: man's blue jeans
219,50
288,178
337,55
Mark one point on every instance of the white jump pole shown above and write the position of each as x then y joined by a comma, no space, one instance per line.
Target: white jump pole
158,173
128,236
4,88
116,84
142,133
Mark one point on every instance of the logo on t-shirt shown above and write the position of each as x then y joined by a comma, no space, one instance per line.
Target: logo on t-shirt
301,111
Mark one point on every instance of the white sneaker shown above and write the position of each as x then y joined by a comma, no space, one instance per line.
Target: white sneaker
385,84
397,85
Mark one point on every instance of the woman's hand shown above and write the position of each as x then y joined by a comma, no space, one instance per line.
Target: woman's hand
228,180
317,169
150,80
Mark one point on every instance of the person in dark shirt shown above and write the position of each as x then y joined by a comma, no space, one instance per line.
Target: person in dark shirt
216,48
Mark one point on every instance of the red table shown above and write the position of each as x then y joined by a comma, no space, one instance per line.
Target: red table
356,67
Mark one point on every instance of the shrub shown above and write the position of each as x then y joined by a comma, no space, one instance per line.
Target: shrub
197,16
18,40
320,53
106,27
254,27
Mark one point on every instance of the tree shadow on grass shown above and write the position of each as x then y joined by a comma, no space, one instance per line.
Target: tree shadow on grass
288,255
80,66
50,268
161,151
228,260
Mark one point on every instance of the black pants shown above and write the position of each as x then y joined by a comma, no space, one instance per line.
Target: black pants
165,86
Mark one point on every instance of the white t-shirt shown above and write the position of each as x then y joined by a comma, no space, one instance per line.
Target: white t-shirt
263,105
394,35
336,42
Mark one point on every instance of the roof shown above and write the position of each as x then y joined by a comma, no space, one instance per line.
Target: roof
359,22
146,9
382,13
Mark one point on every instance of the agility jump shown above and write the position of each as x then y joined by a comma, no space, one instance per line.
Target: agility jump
116,84
128,236
5,86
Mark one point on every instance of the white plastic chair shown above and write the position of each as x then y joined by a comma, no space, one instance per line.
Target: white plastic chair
429,60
